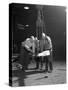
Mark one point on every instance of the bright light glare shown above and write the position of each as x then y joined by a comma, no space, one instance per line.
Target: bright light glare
27,25
26,7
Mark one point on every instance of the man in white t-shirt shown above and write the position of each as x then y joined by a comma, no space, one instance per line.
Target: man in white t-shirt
46,47
27,47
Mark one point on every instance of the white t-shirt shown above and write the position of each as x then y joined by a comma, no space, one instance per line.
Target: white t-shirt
28,43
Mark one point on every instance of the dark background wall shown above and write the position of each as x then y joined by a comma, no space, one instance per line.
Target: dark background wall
55,23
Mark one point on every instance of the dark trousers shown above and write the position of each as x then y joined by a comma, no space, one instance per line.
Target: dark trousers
24,57
37,59
48,62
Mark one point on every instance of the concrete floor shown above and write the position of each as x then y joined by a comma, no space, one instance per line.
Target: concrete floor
32,77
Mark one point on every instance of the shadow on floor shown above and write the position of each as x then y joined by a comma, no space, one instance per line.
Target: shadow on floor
35,72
